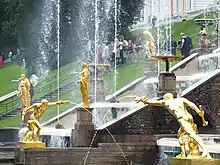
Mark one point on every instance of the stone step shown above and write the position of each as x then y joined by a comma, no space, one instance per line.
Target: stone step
110,154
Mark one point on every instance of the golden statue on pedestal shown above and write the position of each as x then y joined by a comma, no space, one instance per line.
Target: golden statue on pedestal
177,107
37,110
84,85
24,91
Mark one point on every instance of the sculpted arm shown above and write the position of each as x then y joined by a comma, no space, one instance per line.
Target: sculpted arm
145,100
155,103
58,103
192,105
199,111
26,110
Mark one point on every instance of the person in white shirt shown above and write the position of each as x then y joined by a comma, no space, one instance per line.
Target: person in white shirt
106,53
122,45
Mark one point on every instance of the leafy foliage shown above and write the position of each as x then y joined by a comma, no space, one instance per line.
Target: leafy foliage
22,25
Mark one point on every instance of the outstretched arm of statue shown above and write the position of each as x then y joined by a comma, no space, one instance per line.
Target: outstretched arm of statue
58,103
26,110
145,100
199,110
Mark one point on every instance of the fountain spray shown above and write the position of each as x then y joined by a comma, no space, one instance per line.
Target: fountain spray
58,57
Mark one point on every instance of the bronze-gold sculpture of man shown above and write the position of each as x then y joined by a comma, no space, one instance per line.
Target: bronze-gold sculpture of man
37,110
177,107
84,85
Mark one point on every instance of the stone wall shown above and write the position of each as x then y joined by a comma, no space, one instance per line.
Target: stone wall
105,154
207,94
148,120
157,120
9,135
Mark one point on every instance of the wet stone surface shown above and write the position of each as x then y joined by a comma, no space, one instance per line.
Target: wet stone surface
157,120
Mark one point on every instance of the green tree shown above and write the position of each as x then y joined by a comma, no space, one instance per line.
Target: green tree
130,13
20,21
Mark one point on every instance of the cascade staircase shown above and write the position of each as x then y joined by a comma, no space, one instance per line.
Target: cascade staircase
17,111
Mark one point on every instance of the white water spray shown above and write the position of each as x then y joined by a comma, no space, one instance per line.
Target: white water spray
115,46
58,56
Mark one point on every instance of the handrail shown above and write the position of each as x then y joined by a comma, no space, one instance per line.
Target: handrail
10,105
37,88
8,96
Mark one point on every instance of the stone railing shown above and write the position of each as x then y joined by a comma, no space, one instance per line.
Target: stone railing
124,89
187,66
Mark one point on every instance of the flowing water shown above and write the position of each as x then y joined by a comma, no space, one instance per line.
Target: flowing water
41,37
90,146
58,56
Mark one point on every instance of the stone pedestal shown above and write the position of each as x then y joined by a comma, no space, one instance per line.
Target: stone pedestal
167,84
196,161
30,145
84,128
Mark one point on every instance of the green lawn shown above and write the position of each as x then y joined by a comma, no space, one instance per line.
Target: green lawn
125,74
7,73
64,73
12,71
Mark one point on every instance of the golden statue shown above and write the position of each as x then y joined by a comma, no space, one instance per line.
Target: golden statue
24,91
37,110
150,44
177,107
84,85
29,136
24,95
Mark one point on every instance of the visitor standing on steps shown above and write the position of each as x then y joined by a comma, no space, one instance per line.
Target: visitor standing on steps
185,45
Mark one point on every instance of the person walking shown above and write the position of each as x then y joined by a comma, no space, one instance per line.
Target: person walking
185,45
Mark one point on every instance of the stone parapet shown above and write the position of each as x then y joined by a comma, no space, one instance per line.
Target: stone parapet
104,154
